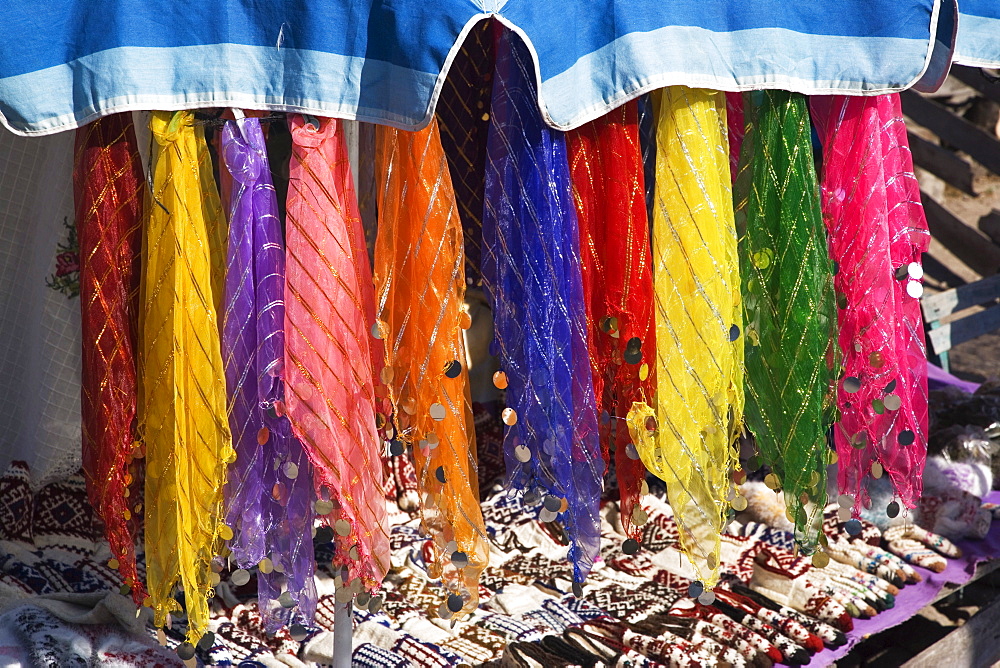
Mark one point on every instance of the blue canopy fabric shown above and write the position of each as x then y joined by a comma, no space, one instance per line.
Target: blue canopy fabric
66,62
978,33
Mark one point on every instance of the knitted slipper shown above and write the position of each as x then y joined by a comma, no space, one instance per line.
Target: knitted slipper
932,540
830,636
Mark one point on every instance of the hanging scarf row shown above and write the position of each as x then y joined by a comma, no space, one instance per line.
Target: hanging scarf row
667,282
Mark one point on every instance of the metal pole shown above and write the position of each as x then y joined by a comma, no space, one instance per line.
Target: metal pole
342,630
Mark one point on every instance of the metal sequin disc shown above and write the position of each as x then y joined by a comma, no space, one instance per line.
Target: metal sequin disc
455,602
286,600
696,589
892,402
395,447
291,470
739,503
639,516
509,417
915,270
707,598
906,437
438,412
915,289
375,604
901,272
376,331
323,507
444,612
266,565
362,599
891,387
852,527
500,380
298,632
892,510
577,590
821,560
843,514
852,384
453,369
545,516
207,641
263,435
439,474
240,577
734,333
845,501
630,546
185,651
631,452
552,502
459,559
633,351
522,453
324,535
877,470
342,527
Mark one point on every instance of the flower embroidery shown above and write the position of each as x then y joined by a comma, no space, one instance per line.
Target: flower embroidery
66,278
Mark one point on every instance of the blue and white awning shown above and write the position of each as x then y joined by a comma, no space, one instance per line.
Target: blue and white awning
978,33
65,62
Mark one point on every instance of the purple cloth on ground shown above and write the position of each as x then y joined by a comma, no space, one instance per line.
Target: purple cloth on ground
938,379
912,598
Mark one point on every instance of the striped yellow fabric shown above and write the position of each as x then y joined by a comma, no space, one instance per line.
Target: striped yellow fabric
699,343
183,410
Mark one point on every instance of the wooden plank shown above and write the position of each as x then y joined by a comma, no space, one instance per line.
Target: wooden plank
945,303
983,568
942,163
951,334
990,225
954,130
967,243
975,644
973,78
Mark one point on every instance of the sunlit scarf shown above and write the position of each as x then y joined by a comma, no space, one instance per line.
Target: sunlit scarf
531,267
463,117
419,277
608,187
788,295
269,495
108,188
699,341
183,409
871,202
331,356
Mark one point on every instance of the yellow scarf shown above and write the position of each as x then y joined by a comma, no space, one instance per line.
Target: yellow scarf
688,440
183,409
